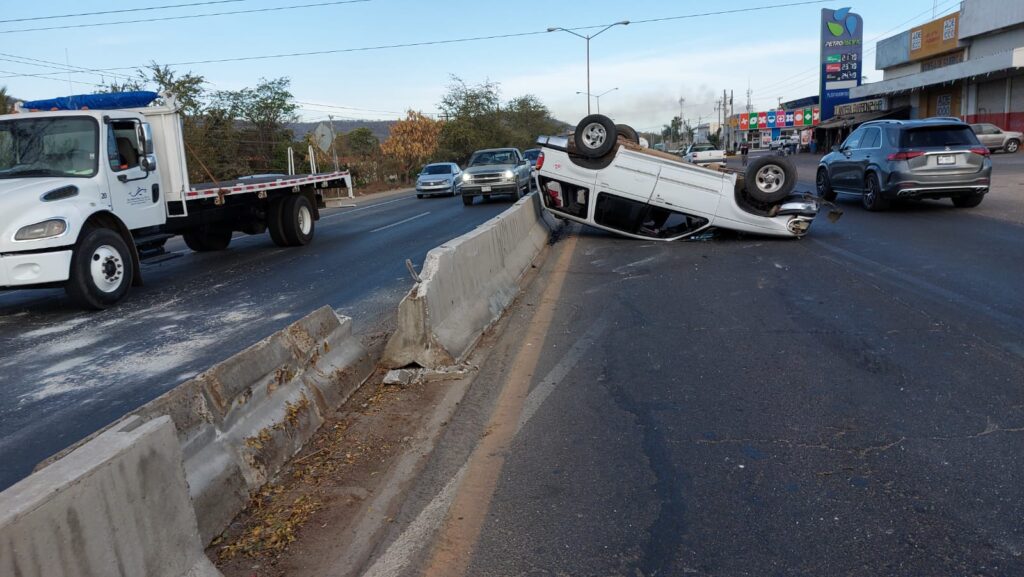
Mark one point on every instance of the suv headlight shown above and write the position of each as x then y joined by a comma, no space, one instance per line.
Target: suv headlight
509,175
40,230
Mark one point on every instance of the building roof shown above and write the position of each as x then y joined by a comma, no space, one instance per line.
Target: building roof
970,68
858,118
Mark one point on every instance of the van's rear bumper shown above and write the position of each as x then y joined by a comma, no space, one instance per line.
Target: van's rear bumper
34,268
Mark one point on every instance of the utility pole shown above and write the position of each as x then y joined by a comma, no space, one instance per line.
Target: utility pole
334,149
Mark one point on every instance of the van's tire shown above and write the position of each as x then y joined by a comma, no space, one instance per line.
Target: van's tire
873,200
595,136
626,131
101,269
770,179
823,185
297,220
207,238
275,223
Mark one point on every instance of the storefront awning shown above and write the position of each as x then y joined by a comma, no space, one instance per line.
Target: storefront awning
1010,59
858,118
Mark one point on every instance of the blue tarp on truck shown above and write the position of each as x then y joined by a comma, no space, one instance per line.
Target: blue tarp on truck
94,101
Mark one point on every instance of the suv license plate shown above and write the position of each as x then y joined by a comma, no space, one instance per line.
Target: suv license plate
947,159
485,189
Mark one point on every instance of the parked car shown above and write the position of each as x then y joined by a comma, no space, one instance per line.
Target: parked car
996,138
496,171
704,153
907,159
606,181
439,178
781,142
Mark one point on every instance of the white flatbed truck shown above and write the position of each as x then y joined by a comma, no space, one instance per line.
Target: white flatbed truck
95,183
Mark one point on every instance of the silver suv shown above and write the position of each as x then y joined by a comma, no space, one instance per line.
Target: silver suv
907,159
996,138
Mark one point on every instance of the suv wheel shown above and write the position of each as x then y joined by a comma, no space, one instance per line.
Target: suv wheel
970,201
824,185
872,198
1012,146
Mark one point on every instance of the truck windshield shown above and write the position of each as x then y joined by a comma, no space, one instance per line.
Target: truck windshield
493,157
47,147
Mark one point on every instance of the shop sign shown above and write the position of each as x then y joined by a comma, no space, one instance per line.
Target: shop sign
935,37
875,105
942,61
762,120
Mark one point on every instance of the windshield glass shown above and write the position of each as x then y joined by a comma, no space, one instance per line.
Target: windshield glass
493,157
937,136
48,147
437,169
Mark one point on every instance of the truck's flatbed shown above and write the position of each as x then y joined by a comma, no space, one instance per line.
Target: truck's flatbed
266,182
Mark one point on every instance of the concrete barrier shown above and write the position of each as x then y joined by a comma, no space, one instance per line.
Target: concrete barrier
465,285
117,505
241,420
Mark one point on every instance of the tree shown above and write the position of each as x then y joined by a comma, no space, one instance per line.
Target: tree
716,138
264,112
473,119
362,142
413,141
526,118
6,101
672,130
688,132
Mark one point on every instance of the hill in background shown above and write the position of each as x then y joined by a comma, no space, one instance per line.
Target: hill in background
380,128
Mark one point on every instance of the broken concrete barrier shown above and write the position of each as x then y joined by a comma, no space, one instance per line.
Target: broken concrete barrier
465,285
116,505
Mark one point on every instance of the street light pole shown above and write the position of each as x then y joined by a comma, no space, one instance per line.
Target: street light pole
587,38
596,97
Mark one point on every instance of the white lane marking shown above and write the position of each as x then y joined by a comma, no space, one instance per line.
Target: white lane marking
419,533
344,212
411,218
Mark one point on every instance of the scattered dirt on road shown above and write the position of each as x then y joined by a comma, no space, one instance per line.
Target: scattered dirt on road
303,513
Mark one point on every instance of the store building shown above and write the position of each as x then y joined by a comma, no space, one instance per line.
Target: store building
966,64
792,119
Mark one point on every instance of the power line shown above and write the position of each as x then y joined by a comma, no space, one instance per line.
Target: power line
63,68
186,16
55,16
455,40
333,106
45,77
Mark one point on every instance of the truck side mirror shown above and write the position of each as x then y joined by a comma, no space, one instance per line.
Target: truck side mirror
148,162
147,139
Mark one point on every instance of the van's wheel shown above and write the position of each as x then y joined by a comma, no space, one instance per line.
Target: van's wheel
101,269
770,179
297,220
824,186
595,136
626,131
275,223
207,238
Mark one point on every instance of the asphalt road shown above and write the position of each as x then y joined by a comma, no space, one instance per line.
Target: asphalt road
66,373
846,404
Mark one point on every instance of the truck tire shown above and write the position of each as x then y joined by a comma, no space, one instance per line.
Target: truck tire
595,136
297,220
207,238
626,131
275,222
770,179
101,269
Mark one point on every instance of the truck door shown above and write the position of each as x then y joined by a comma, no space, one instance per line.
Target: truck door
135,194
623,191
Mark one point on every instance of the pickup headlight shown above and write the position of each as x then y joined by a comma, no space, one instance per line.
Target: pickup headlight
45,229
509,175
466,177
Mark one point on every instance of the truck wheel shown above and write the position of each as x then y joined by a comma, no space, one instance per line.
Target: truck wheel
626,131
274,222
297,220
207,238
595,136
770,178
101,270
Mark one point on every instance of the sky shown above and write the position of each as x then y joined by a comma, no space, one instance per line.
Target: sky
645,67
